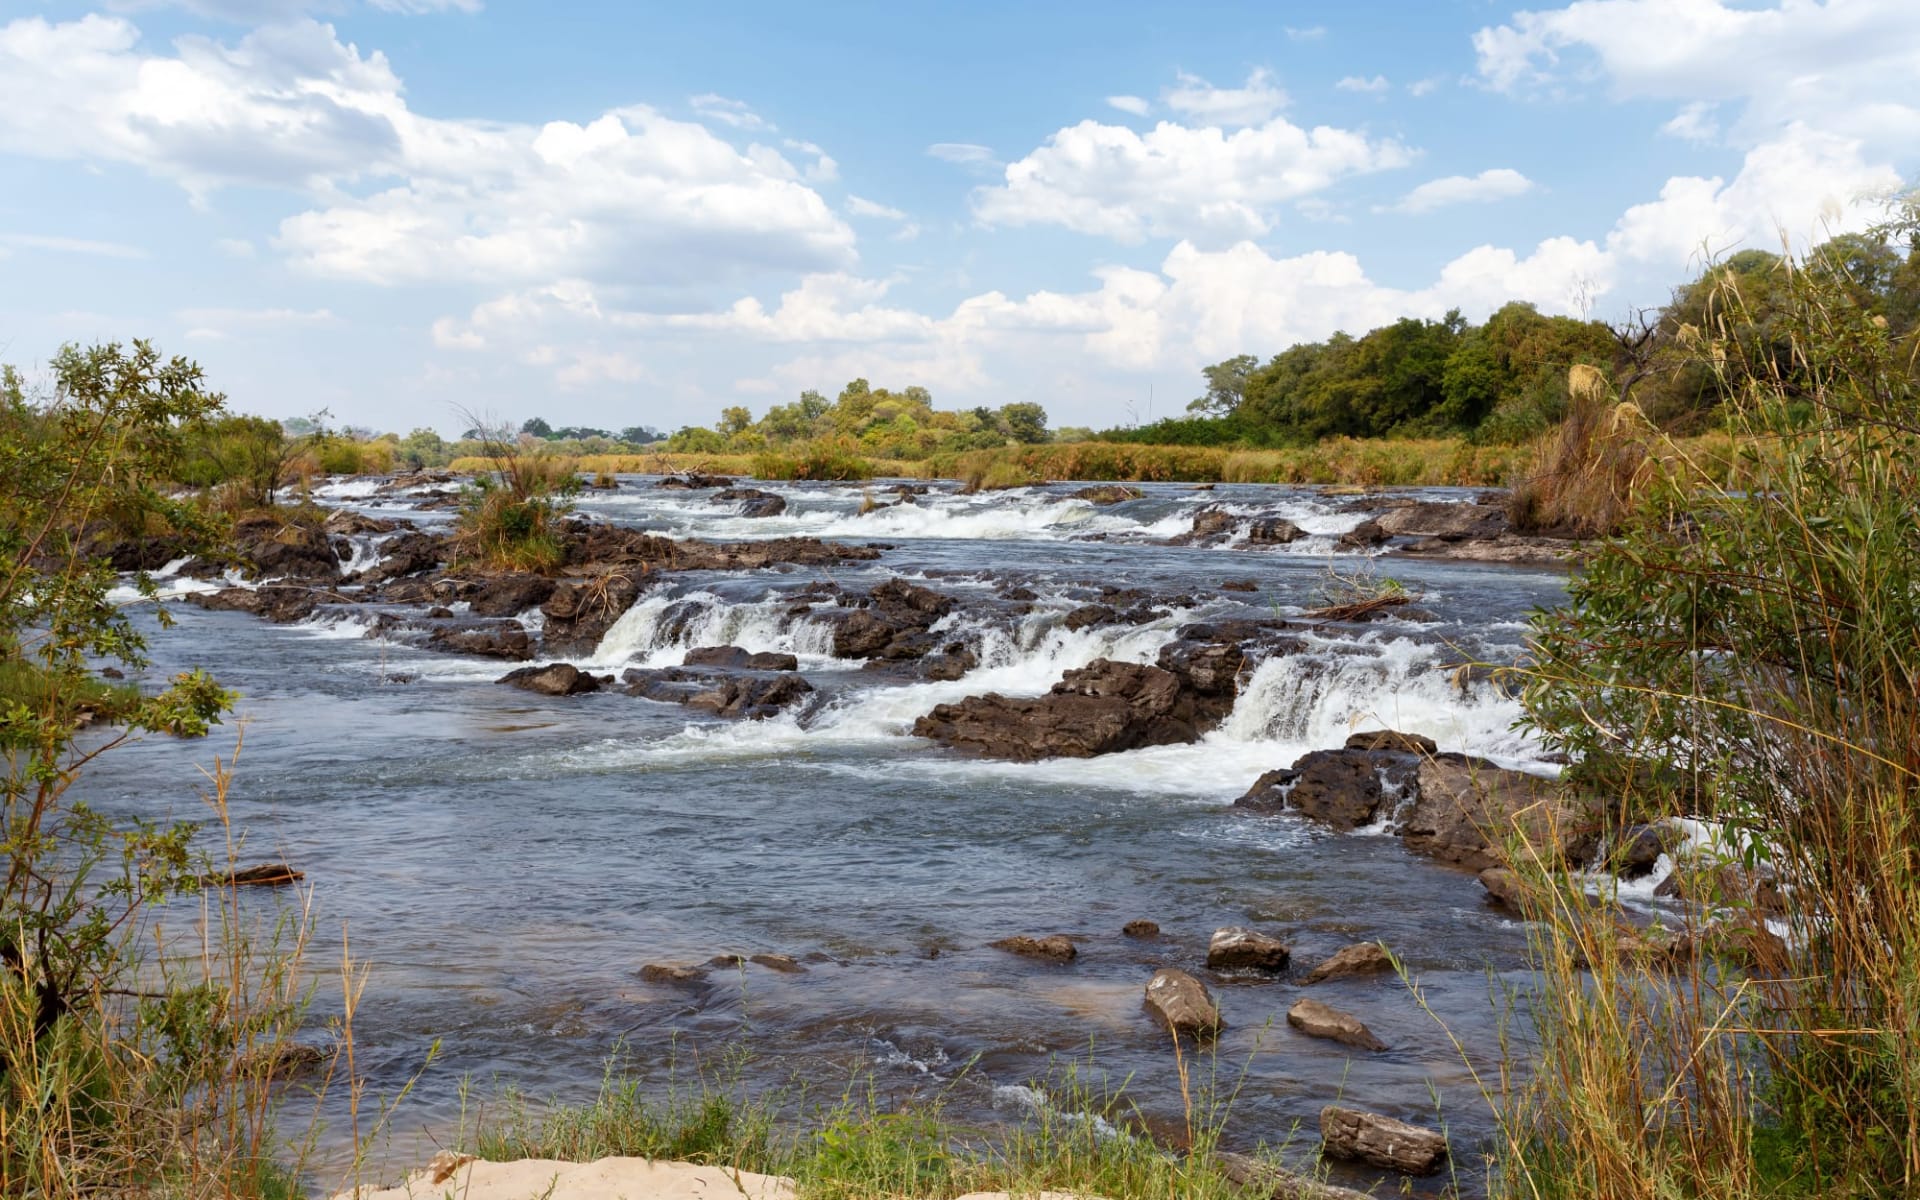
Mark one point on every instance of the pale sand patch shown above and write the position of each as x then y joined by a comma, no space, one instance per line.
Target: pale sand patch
447,1178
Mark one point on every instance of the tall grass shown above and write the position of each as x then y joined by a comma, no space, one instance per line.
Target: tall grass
822,460
1380,463
1748,655
511,515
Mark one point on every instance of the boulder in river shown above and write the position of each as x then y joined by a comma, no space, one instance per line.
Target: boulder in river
672,973
510,595
1100,708
1367,533
1351,1134
557,679
1055,947
1388,739
1274,1182
1341,789
1273,531
753,697
1450,522
740,659
1238,948
579,613
1183,1004
694,481
270,548
1361,958
282,604
752,501
1464,806
1141,928
505,638
1108,493
890,623
1325,1021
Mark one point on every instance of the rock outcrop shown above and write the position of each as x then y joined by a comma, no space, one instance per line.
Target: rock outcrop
1238,948
1100,708
753,697
558,679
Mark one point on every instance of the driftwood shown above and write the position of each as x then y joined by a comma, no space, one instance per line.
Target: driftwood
1358,610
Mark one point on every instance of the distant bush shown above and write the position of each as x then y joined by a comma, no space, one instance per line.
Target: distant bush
834,460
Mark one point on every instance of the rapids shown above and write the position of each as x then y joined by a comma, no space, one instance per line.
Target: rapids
505,863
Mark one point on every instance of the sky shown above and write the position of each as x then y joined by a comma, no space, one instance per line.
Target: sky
611,214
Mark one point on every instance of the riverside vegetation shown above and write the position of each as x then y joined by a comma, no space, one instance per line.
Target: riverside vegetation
1743,652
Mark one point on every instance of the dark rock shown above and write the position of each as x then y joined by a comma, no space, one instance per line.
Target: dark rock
282,604
1212,523
267,547
739,659
1388,739
349,523
752,501
1088,616
578,614
1366,533
1361,958
1504,887
1341,789
892,625
694,481
1273,531
1112,493
559,679
406,554
1101,708
1020,593
264,875
112,673
1055,947
754,697
1141,929
1324,1021
949,664
488,639
1382,1141
510,595
1449,522
1240,585
1183,1004
1240,949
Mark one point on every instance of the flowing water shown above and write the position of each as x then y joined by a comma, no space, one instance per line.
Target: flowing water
506,863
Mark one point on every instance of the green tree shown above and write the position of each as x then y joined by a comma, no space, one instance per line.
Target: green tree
735,419
536,427
1024,421
1226,385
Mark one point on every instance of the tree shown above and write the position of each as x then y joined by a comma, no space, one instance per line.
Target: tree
1226,385
735,420
640,435
537,427
1024,422
78,471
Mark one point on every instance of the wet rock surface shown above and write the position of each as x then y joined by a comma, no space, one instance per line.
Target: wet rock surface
1349,1133
753,697
1361,958
559,679
1101,708
1315,1019
1237,948
1182,1004
1054,947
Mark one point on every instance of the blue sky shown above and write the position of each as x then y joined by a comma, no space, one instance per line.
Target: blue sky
617,214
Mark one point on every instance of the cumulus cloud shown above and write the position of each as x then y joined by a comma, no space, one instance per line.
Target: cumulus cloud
1205,104
1846,66
728,112
1376,85
631,195
1694,123
1498,183
1177,180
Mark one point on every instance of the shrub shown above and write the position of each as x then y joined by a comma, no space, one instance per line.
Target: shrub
834,459
1588,473
510,518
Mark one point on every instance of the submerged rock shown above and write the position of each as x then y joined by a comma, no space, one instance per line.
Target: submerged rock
1369,1137
1055,947
672,973
1324,1021
753,697
1109,493
1141,929
488,639
1183,1004
752,501
1275,1182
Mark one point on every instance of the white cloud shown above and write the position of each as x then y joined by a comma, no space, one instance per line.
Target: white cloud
1497,183
728,112
234,247
1846,66
1311,33
966,154
418,7
631,195
1425,87
224,317
68,245
1176,180
1377,85
1694,123
860,206
1255,102
1130,104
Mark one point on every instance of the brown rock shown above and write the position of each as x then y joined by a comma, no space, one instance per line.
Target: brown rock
1101,708
1240,949
1388,739
510,595
1341,789
669,973
1452,522
559,679
1368,1137
785,964
1112,493
1183,1004
1055,947
1361,958
1366,533
739,659
1324,1021
1467,806
1141,929
1503,887
488,639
